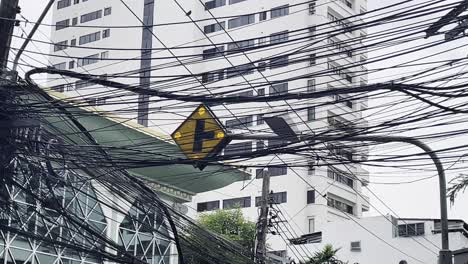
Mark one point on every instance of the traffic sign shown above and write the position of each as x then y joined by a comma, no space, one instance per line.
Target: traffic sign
201,135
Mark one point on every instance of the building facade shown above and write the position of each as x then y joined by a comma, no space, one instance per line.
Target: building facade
235,47
386,239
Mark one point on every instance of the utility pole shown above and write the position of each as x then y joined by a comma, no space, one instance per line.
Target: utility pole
262,226
8,11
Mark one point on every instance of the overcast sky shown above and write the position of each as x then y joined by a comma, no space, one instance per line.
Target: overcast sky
409,200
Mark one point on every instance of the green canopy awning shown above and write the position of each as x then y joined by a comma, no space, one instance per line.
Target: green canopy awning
120,133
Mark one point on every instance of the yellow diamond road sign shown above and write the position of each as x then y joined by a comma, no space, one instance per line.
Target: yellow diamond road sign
201,135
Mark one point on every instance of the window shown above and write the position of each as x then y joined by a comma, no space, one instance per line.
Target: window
263,16
231,2
262,41
339,21
274,198
83,84
69,87
76,2
58,88
104,55
408,230
311,225
240,45
275,143
207,206
74,21
259,173
60,66
100,101
238,148
107,11
311,167
312,32
241,21
339,122
311,86
278,171
312,8
243,94
281,197
261,92
340,151
348,77
213,76
311,113
73,43
91,16
106,33
62,24
240,70
338,44
348,3
279,11
356,246
260,120
89,60
240,122
242,202
260,145
311,197
278,89
60,45
279,61
341,206
279,37
71,64
312,60
273,171
262,67
340,177
90,38
214,27
213,53
214,4
63,3
335,68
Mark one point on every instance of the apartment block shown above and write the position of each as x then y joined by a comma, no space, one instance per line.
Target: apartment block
235,47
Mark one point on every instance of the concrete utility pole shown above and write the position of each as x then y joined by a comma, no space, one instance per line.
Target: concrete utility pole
262,227
445,255
8,11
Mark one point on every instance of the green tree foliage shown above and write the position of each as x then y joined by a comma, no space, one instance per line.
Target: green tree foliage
326,256
457,186
232,225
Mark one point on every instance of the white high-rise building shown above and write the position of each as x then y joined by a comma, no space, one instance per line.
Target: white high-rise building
252,48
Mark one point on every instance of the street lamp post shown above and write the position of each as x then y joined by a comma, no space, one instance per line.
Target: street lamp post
285,132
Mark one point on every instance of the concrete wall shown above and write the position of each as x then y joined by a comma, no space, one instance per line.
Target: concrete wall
380,245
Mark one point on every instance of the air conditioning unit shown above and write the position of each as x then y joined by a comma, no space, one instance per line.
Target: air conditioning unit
356,246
